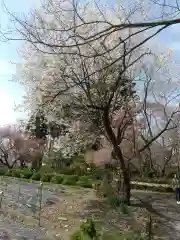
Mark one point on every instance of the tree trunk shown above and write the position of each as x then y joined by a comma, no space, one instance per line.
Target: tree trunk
127,189
163,172
34,164
119,155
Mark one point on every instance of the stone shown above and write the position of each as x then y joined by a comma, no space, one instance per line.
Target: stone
62,218
51,201
4,235
58,234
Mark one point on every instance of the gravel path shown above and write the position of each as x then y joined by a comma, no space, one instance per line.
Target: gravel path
25,204
162,205
10,230
24,196
165,207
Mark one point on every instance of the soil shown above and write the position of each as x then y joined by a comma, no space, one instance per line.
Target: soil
64,208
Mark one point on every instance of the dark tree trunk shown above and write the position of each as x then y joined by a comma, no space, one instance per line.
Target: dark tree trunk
163,172
119,155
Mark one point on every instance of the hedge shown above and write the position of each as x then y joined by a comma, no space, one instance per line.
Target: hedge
25,173
46,177
36,176
58,178
69,180
85,182
82,181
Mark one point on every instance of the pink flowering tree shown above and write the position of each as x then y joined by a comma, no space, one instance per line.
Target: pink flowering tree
16,147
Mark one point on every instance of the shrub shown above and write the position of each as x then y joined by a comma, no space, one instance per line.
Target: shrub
36,176
114,201
9,173
47,177
78,235
79,171
84,181
46,169
89,230
57,179
16,173
69,179
26,173
124,208
67,171
3,171
96,173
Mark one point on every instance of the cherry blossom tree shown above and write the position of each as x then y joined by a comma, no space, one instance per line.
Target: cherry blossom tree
82,66
16,147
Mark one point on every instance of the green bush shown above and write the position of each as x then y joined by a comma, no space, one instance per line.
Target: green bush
90,230
16,173
36,176
26,173
96,173
57,179
114,201
70,179
3,171
87,231
9,173
79,171
84,181
47,177
67,171
46,169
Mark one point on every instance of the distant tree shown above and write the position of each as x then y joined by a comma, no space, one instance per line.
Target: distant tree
16,147
37,125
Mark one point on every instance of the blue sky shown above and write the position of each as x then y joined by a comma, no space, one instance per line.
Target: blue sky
12,92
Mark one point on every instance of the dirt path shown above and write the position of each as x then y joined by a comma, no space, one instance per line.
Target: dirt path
10,229
163,206
73,205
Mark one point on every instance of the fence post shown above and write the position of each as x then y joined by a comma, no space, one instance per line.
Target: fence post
1,198
149,228
19,186
40,202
